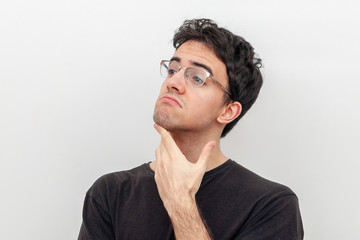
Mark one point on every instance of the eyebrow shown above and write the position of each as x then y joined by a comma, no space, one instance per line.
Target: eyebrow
177,59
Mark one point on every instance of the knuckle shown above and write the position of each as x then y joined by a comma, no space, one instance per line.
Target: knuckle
162,164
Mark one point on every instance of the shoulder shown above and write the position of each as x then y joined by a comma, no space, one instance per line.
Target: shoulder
111,184
249,189
233,181
253,203
273,205
257,184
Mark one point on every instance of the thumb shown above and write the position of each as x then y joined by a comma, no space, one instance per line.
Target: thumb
206,153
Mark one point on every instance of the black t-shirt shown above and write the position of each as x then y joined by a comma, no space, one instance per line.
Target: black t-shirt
234,203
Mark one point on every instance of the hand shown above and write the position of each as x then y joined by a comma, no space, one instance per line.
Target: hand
177,179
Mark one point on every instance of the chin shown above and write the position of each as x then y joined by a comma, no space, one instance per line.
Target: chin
161,121
165,120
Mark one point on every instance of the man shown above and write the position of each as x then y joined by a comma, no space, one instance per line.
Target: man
192,190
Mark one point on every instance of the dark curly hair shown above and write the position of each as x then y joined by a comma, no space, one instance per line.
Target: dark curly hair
242,66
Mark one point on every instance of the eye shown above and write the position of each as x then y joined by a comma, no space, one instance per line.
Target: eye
196,76
172,72
198,80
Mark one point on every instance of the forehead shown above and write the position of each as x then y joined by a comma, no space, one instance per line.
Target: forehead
197,51
193,51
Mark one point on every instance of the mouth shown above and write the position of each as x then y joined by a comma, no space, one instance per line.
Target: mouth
170,99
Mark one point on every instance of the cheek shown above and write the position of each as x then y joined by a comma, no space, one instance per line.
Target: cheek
163,85
215,104
163,88
206,105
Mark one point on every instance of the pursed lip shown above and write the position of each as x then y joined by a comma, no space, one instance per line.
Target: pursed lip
171,99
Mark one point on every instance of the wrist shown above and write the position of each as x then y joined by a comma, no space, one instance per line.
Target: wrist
186,220
179,206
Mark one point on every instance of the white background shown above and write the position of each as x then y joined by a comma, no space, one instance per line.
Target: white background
78,82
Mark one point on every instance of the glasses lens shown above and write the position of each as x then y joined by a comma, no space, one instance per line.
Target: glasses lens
164,69
196,76
167,69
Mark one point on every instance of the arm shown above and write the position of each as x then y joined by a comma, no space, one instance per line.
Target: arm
96,220
178,180
278,219
186,220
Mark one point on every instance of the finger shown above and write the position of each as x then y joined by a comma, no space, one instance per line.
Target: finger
159,162
164,152
206,152
158,155
162,155
160,129
166,137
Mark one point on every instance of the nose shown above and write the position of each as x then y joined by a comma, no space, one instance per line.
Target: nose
176,83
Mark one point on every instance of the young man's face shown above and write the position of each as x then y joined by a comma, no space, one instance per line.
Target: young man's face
181,105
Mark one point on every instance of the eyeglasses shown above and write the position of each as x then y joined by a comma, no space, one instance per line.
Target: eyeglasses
196,76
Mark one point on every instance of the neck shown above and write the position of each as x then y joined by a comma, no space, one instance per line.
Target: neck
192,144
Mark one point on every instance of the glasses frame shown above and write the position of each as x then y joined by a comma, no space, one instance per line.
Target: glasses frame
206,73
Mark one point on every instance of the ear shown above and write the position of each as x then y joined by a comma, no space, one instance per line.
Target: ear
230,112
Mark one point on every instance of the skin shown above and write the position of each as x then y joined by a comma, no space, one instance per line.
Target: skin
190,120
